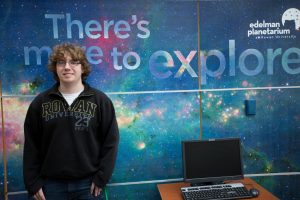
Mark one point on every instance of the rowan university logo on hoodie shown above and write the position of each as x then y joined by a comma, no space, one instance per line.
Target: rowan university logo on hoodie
82,111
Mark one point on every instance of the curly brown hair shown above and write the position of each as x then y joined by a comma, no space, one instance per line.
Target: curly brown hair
76,53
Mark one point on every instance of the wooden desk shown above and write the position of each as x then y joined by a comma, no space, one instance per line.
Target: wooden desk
172,191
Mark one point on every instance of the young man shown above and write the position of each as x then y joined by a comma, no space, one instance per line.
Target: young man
71,133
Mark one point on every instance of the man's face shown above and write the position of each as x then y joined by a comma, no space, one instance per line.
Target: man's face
68,70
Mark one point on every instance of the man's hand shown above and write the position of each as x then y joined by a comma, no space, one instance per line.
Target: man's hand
39,195
95,190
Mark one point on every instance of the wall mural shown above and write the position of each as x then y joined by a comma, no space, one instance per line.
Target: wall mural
146,58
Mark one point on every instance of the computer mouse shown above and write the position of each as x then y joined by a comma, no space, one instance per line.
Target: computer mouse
254,192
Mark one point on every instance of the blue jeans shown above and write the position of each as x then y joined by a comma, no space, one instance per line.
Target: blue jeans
70,190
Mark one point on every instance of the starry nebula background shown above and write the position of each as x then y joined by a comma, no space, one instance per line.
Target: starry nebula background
158,106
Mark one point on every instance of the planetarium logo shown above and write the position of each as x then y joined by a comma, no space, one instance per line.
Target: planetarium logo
263,29
292,15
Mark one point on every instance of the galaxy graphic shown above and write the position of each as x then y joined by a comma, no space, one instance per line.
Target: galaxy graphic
167,66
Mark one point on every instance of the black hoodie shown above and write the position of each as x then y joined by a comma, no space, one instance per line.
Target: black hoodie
65,142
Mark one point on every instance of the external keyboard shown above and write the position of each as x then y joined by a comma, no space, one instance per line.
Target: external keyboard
221,191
